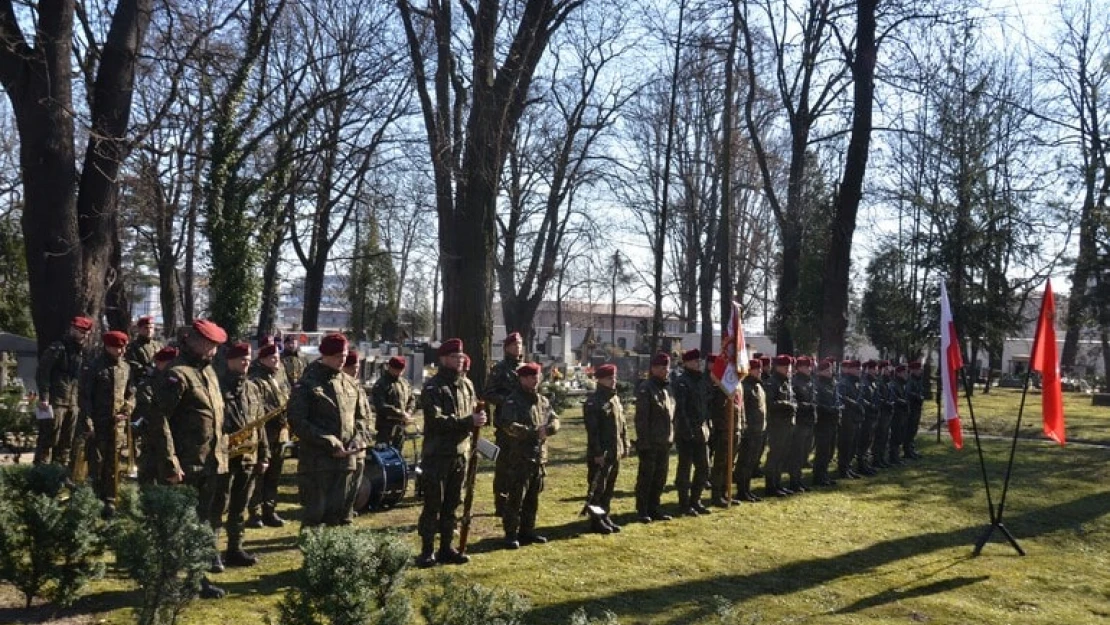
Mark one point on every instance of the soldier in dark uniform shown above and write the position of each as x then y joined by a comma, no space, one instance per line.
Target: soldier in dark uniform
883,400
330,416
718,416
271,383
144,403
57,377
527,420
655,408
394,404
691,433
900,415
106,401
828,417
242,406
186,427
606,444
140,351
781,410
804,421
752,434
915,397
291,361
451,413
851,418
868,402
765,373
502,383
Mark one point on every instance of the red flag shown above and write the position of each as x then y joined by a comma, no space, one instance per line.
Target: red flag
1045,360
951,361
733,360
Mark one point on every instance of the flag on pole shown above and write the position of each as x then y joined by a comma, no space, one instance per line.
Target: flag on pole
951,361
1044,359
733,361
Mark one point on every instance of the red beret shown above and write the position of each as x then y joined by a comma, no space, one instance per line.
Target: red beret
884,363
267,339
332,344
755,363
241,349
145,321
758,355
849,364
901,369
209,330
528,368
166,354
450,346
825,365
82,323
915,366
115,338
783,360
398,362
803,361
513,338
691,354
268,349
870,364
661,358
351,359
766,360
606,371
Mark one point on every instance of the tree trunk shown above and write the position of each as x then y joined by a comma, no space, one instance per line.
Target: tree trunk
117,303
1078,300
313,293
787,289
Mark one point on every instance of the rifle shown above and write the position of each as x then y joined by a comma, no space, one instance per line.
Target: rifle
471,475
600,476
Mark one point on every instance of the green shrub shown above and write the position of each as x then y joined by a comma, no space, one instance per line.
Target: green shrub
164,547
457,602
350,576
580,617
49,545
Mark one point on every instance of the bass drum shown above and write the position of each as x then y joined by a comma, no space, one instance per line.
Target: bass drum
384,480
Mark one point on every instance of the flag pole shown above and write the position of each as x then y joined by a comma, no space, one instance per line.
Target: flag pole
730,429
995,513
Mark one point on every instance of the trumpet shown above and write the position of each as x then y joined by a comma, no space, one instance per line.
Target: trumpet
238,442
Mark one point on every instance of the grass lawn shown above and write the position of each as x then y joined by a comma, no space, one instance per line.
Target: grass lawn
891,549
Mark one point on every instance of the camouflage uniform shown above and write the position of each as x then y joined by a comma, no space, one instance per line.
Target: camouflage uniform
503,382
718,412
105,392
691,431
850,389
242,405
606,435
140,356
752,434
328,413
655,408
520,419
825,431
57,377
274,393
915,397
393,398
448,400
883,399
781,410
899,419
802,435
293,366
865,436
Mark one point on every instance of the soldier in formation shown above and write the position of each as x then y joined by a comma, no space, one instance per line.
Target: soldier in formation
782,408
526,421
105,404
144,403
273,393
828,420
606,446
140,351
394,404
58,377
752,434
691,433
502,383
655,408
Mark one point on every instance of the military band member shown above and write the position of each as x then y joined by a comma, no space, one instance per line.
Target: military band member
527,420
271,384
57,378
828,419
655,408
752,434
144,403
140,351
242,406
451,413
502,383
352,366
106,401
330,417
291,361
915,397
781,410
394,403
691,433
804,421
849,388
188,443
606,445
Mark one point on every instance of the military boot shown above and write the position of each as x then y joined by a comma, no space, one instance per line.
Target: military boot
426,558
254,521
612,524
270,517
599,526
208,590
217,564
235,556
448,554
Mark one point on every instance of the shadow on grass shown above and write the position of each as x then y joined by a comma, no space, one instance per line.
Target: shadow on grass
46,613
898,594
805,574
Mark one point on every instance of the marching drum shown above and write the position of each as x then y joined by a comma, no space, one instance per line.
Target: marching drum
384,479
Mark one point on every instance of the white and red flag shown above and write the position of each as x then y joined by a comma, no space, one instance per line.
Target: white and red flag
951,361
732,363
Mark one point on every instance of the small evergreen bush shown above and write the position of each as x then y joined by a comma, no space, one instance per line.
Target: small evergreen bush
452,601
162,544
49,545
350,576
